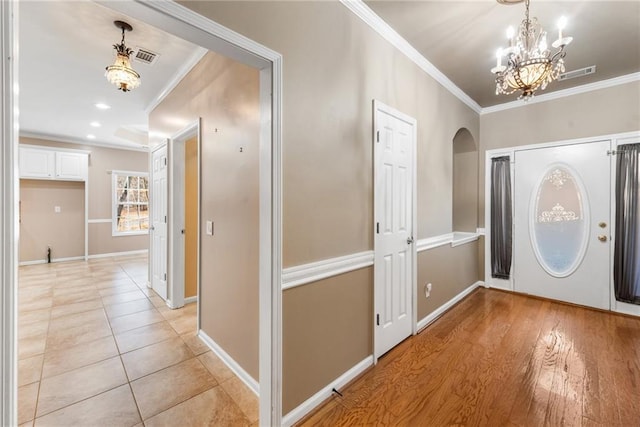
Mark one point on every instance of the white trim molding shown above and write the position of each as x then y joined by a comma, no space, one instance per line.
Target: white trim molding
317,399
69,140
112,254
426,321
44,261
9,193
312,272
190,300
480,231
364,12
454,239
434,242
589,87
99,221
230,362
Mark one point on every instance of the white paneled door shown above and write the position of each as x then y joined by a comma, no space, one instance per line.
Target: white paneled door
562,223
159,205
394,268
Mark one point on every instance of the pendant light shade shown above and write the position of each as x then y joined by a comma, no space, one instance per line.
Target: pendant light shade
120,73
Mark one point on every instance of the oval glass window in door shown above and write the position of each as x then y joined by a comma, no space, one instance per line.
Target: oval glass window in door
559,221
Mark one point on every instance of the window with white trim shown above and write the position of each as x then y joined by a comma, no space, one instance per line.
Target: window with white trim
130,192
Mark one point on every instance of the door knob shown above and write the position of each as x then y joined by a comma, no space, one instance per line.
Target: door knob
602,238
602,224
409,240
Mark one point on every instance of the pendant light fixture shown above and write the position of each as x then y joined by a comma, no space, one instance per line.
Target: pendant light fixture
120,73
531,64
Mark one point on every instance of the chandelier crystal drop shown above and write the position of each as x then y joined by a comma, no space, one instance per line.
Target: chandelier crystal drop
121,74
530,63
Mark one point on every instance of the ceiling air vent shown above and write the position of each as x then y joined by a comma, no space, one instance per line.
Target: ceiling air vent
577,73
145,56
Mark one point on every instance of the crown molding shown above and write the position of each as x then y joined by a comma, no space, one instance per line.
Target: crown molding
364,12
177,78
589,87
68,140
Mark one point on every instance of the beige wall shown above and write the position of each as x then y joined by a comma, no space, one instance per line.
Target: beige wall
40,226
225,95
450,270
334,66
101,161
327,325
600,112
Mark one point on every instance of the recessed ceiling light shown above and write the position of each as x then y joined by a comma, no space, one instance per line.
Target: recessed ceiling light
95,124
102,106
91,136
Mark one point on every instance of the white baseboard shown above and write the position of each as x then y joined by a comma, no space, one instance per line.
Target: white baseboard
446,306
112,254
44,261
232,364
311,403
190,300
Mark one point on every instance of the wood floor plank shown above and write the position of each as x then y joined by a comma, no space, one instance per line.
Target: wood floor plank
502,359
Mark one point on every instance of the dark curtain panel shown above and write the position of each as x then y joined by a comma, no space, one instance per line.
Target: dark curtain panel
626,258
501,218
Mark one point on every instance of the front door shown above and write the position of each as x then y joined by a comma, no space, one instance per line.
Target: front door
562,223
394,250
159,205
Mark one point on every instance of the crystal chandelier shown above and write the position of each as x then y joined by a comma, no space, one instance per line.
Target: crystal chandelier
120,73
530,63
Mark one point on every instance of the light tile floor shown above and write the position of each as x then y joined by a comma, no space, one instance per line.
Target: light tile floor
98,348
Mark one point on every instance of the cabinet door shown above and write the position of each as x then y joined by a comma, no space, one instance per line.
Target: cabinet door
36,163
71,166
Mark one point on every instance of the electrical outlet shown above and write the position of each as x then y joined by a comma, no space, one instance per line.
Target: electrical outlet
57,209
427,290
210,228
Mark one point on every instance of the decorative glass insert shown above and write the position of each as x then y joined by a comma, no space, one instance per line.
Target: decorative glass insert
559,221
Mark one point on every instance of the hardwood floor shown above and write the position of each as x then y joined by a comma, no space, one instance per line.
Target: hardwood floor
500,359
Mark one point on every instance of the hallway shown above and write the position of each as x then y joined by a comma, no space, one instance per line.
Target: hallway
501,359
97,347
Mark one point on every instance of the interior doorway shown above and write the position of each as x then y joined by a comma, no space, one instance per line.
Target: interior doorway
184,218
180,21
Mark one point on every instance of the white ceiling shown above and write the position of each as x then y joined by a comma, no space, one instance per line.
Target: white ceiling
65,46
461,37
64,49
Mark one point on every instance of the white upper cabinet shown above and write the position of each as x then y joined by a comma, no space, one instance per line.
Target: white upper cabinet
36,163
71,166
41,163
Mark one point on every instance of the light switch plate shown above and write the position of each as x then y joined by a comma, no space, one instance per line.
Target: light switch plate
57,209
210,228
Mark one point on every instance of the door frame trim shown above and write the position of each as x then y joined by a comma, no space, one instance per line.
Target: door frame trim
9,195
379,106
615,138
183,22
176,176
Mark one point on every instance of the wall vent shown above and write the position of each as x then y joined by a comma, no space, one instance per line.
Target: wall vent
145,56
577,73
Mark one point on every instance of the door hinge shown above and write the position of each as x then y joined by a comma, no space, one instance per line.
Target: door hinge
165,219
165,277
377,228
377,136
378,319
165,161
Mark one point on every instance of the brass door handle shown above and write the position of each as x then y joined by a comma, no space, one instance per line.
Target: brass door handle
602,238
